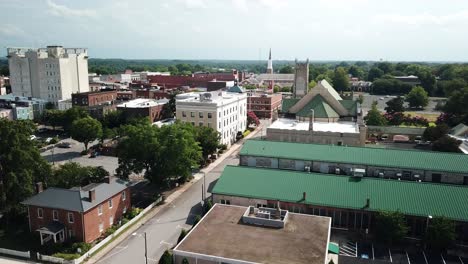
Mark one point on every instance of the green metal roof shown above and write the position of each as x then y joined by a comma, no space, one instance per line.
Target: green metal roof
287,103
350,105
236,89
396,158
410,198
321,109
333,248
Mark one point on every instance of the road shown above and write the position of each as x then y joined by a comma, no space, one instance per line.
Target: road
163,230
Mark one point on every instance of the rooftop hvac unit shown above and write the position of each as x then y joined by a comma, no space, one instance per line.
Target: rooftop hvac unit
381,175
358,172
337,171
307,168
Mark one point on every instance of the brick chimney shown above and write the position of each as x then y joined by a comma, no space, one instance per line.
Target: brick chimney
108,179
39,187
92,195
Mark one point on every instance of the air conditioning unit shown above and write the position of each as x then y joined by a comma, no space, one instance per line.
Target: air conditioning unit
381,175
307,168
337,171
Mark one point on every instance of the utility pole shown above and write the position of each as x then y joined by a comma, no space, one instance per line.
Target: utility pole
146,251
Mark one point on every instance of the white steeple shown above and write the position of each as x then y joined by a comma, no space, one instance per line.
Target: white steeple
270,64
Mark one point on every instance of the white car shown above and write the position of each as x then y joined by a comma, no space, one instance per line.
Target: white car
48,140
381,98
32,137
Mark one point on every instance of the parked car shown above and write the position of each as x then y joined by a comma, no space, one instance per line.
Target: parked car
32,137
42,130
64,145
47,140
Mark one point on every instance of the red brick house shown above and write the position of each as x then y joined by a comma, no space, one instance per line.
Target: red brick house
83,213
263,105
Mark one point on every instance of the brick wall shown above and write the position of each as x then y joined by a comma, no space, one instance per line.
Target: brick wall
92,219
76,226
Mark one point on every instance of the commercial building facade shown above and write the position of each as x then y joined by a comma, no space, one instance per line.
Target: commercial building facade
81,213
404,165
351,202
224,111
264,105
52,74
23,108
143,108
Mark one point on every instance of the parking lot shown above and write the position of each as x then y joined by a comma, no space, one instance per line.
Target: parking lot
382,103
360,252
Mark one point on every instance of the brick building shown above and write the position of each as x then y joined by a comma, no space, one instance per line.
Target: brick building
143,108
82,213
152,94
263,105
94,98
195,80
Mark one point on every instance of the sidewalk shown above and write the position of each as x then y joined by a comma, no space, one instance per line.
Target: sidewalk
101,253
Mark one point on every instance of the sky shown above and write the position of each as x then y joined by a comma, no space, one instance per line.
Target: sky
392,30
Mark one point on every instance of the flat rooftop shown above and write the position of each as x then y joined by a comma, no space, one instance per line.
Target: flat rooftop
142,103
338,127
221,233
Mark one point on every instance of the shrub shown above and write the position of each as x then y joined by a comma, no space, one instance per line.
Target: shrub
166,258
54,140
183,233
84,152
246,133
133,212
125,220
111,230
66,256
197,219
85,247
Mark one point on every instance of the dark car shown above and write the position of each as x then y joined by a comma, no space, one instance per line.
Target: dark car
64,145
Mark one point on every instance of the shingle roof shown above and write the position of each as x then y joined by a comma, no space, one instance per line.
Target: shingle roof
396,158
321,109
410,198
76,199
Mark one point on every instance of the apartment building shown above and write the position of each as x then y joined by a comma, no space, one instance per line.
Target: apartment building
51,73
138,108
264,105
224,111
81,213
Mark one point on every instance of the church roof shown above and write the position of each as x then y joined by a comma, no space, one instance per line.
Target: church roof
288,103
236,89
321,109
330,89
350,105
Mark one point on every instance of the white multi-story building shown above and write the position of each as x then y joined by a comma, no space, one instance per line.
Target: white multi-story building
51,73
224,111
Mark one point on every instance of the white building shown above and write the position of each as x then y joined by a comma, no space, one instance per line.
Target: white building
51,73
224,111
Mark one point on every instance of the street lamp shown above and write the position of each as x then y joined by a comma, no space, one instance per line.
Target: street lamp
427,222
203,187
146,247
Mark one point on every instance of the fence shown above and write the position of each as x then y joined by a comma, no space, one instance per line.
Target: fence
15,253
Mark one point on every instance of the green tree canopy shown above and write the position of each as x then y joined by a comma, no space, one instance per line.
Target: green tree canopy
395,105
72,114
86,130
440,233
72,174
356,71
340,79
374,74
374,117
417,97
390,227
389,86
53,118
457,102
21,164
446,144
286,69
208,139
433,133
168,110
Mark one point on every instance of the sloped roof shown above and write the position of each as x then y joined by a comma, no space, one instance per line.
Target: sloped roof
459,130
338,191
236,89
276,76
394,158
330,89
76,199
321,109
350,105
287,103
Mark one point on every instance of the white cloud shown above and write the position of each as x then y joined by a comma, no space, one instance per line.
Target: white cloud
240,5
64,11
425,19
11,31
193,4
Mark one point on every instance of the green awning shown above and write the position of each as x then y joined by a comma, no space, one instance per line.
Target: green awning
333,248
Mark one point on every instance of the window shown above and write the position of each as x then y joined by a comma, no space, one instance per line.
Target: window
71,233
99,209
71,218
184,114
200,123
39,213
110,203
209,115
101,227
200,114
192,114
111,220
124,196
55,215
124,210
225,202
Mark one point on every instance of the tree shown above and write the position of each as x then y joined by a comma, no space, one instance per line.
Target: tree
286,89
356,71
417,97
374,74
252,119
21,164
72,174
361,99
374,117
446,144
340,79
49,106
166,258
390,227
71,115
433,133
53,118
86,130
385,67
457,102
311,85
286,69
390,86
169,152
208,139
440,233
168,110
395,105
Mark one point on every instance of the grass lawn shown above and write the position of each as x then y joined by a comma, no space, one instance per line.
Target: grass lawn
429,117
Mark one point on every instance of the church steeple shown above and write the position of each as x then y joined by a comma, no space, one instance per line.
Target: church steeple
270,64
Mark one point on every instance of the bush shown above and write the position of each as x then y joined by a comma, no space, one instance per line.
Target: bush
111,230
166,258
85,247
66,256
84,152
133,212
246,133
197,219
125,220
54,141
183,233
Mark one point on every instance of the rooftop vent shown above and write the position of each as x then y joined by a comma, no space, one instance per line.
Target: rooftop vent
264,216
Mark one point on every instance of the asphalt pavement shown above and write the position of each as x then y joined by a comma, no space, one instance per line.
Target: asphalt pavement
163,230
